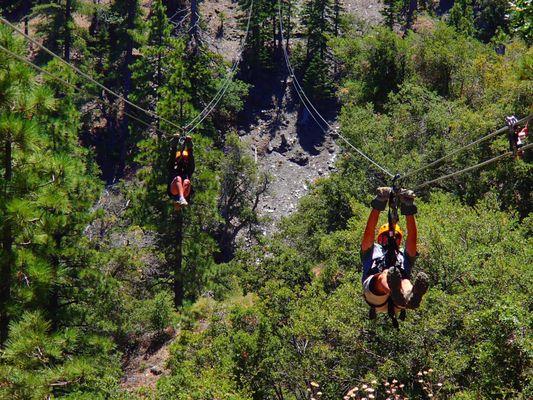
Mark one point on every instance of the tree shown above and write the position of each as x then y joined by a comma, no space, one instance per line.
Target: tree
263,38
58,27
150,71
491,17
119,29
21,144
462,17
241,188
321,20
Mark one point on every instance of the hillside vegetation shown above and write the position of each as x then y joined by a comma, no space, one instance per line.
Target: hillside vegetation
100,275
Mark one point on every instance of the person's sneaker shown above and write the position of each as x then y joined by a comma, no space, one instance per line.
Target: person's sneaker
419,289
183,202
394,280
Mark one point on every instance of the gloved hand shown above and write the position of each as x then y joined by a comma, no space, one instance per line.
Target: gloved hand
407,202
381,199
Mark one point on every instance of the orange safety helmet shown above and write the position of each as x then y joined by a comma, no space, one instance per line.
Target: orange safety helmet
384,229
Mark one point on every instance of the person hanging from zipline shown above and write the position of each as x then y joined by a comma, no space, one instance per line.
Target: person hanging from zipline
181,168
387,288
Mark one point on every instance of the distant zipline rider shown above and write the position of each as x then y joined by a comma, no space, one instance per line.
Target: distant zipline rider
181,168
517,136
387,267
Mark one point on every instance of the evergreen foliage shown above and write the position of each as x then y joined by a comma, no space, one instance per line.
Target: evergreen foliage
261,44
89,277
48,268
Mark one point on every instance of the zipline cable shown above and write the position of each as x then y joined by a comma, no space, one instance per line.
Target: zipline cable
304,97
481,164
71,85
456,151
222,91
86,76
296,83
202,115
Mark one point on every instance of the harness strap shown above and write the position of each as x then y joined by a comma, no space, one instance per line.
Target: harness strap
376,305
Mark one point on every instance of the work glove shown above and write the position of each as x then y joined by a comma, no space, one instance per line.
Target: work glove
381,199
407,202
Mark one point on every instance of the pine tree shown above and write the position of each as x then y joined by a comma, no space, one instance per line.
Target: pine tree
321,20
20,144
263,36
50,277
462,17
151,69
57,26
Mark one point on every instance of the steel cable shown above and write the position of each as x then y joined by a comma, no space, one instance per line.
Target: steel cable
202,115
481,164
303,97
456,151
72,86
86,76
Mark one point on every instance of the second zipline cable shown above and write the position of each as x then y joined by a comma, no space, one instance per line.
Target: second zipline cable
476,166
303,97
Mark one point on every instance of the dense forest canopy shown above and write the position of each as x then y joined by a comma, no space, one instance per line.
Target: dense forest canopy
110,290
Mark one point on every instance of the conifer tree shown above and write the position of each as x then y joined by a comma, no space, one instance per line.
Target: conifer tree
462,17
50,280
21,144
320,18
57,26
150,71
184,237
263,36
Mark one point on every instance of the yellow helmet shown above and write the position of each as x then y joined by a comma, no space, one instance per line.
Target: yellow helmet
184,153
385,228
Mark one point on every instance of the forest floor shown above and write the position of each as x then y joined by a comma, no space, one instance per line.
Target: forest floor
283,138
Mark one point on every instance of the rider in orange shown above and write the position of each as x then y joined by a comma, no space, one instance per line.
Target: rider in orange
181,167
381,282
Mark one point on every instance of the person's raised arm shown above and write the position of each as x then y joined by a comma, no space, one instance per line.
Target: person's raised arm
408,208
412,236
368,235
378,204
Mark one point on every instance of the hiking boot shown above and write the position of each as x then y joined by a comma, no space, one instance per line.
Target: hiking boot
419,289
182,201
394,280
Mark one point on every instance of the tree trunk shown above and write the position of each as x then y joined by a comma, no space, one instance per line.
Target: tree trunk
126,73
7,247
53,302
27,9
178,273
288,25
193,30
277,41
337,8
68,34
